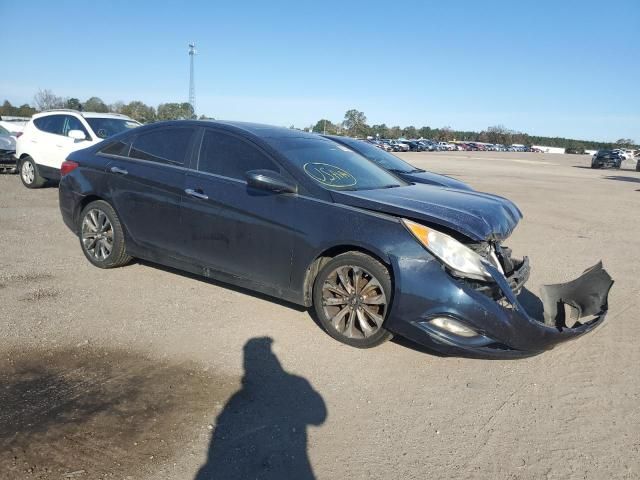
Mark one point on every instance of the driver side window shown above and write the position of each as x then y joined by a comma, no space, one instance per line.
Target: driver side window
72,123
229,156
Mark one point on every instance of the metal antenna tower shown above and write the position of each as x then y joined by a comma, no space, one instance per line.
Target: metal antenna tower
192,86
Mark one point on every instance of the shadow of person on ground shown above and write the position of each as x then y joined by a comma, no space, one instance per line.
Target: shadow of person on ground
262,431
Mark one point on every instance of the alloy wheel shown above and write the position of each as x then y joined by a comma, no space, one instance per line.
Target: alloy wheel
97,234
354,301
28,172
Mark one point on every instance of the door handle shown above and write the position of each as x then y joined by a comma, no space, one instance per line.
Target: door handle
121,171
195,193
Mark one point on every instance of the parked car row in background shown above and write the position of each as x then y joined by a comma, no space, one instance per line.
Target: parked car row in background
425,145
37,147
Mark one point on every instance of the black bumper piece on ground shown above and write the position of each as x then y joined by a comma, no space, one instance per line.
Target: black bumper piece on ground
583,297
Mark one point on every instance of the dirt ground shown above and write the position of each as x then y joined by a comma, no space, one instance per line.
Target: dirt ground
145,373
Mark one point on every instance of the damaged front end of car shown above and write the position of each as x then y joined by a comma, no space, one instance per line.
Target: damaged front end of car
484,309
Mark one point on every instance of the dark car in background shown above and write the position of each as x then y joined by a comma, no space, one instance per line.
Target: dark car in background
396,165
305,219
606,158
7,150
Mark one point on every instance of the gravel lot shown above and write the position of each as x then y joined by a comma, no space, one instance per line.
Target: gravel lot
122,373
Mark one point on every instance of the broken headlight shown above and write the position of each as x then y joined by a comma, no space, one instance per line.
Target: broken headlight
462,261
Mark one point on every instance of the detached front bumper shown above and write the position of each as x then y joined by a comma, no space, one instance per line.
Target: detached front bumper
503,325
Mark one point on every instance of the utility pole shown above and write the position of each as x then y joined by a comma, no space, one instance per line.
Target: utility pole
192,86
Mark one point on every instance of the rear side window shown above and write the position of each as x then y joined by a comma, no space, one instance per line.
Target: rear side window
50,124
229,156
166,145
120,148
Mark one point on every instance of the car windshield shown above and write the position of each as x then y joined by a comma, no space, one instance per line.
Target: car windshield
334,166
380,157
105,126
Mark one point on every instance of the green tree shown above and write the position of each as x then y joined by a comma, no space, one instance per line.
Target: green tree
73,104
624,143
355,123
381,131
95,104
139,111
445,134
175,111
425,132
410,132
25,110
395,132
325,126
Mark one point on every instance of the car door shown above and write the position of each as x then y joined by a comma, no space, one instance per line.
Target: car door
64,144
146,178
231,227
42,146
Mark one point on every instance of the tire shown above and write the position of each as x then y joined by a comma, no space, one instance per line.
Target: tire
95,233
638,166
356,322
595,165
29,174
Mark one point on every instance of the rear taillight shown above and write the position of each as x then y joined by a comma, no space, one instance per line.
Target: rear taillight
67,167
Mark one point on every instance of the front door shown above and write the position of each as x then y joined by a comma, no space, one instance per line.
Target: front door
231,227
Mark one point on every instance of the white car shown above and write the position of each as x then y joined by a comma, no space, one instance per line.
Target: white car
49,137
446,146
14,127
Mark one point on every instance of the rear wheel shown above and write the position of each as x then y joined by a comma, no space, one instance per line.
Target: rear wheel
29,174
351,298
102,236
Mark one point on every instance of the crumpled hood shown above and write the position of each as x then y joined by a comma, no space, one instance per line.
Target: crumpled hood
476,215
434,179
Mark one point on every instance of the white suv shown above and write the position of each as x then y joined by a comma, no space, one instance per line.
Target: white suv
49,137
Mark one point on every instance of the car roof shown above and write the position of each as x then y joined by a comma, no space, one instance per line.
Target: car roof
82,114
262,130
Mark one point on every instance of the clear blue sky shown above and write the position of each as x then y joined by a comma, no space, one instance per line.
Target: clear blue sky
567,68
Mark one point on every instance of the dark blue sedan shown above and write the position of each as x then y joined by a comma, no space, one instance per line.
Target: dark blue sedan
310,221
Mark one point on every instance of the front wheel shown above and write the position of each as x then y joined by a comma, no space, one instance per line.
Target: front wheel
29,174
351,298
101,236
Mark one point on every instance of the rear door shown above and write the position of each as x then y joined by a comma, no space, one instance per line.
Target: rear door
43,145
147,180
234,228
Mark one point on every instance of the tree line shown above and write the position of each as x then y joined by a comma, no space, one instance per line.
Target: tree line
354,123
140,111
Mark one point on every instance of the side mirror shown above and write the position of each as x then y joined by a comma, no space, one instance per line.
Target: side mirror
76,135
270,181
